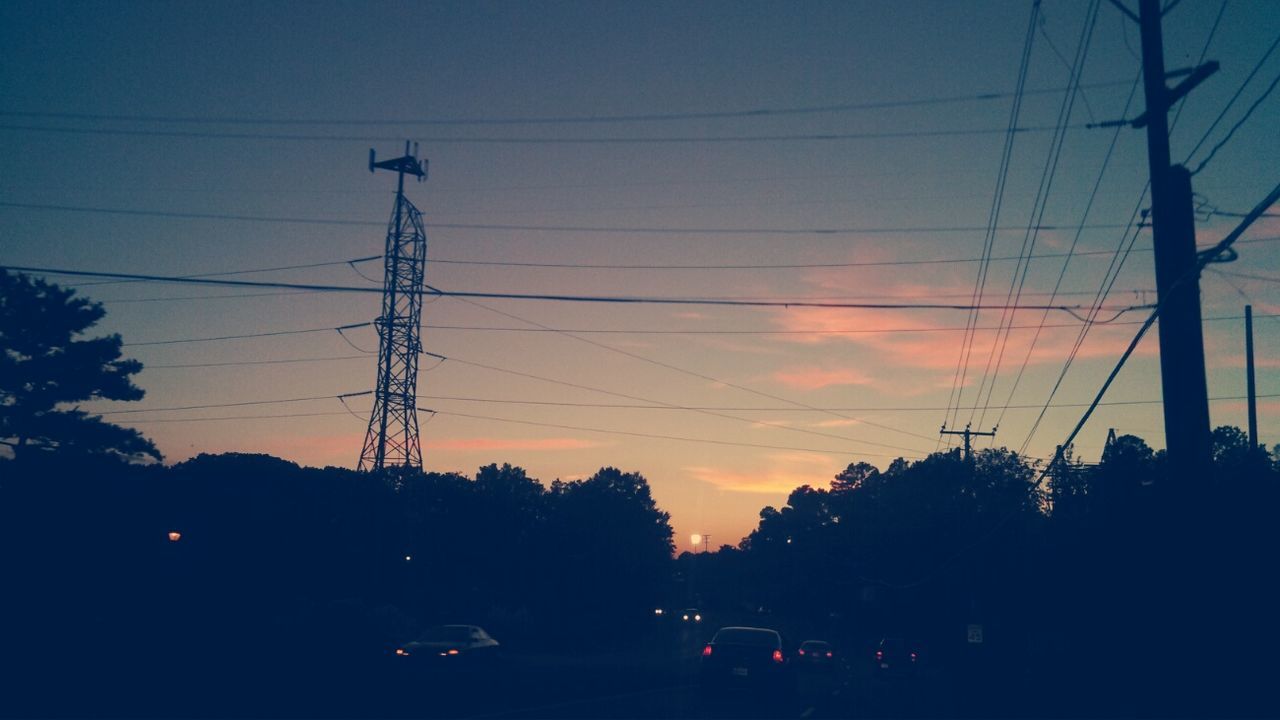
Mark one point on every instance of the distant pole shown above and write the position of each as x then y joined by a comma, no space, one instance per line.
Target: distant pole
1182,367
966,433
1249,379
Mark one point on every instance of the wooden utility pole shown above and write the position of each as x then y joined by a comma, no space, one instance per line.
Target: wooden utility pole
1249,380
1182,368
967,434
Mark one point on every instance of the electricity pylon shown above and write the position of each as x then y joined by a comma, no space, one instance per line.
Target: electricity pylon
392,438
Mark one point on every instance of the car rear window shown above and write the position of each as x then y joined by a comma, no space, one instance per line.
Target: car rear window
748,636
446,633
815,645
896,646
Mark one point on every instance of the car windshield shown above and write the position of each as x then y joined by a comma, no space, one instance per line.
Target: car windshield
815,645
446,633
747,636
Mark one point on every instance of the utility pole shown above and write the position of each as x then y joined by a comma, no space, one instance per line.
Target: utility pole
1253,391
967,433
1182,368
392,437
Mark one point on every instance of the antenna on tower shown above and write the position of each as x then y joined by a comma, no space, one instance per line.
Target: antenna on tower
392,437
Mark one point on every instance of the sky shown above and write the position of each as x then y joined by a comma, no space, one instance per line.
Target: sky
244,110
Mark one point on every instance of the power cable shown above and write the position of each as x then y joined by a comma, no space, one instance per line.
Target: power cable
993,218
1230,133
1042,325
243,336
1043,191
1248,78
608,299
496,140
691,373
663,403
1227,398
679,438
546,120
480,328
640,230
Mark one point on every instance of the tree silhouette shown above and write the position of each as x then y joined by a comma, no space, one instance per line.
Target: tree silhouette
45,366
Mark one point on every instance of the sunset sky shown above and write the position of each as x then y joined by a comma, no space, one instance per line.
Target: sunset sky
324,82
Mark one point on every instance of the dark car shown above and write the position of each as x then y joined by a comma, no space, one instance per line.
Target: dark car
816,654
896,657
743,656
452,644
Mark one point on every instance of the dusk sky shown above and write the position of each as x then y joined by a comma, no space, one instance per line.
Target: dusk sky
665,176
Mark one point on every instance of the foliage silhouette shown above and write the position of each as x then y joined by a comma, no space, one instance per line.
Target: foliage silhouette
45,366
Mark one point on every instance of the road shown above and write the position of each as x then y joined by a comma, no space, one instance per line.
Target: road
658,681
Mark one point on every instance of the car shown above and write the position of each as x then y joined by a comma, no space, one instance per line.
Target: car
691,615
897,657
816,654
743,657
451,643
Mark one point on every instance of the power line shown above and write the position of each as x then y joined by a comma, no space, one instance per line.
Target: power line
496,140
1097,185
238,363
611,331
993,219
618,406
639,230
589,388
542,120
1039,207
245,336
777,409
132,411
684,371
608,299
679,438
1230,133
1234,97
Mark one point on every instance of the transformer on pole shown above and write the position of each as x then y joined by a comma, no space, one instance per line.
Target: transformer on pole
392,437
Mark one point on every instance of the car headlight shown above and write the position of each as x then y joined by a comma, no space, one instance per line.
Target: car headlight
402,652
697,618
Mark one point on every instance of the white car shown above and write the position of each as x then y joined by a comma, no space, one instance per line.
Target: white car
451,643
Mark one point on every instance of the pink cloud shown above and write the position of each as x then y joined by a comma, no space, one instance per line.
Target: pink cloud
907,338
780,478
813,378
468,444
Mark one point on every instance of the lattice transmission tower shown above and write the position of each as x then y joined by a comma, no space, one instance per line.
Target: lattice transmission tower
392,438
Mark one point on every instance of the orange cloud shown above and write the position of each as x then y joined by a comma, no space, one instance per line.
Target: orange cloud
468,444
813,378
779,473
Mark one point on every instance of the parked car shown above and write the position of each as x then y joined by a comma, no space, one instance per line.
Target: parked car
743,657
816,654
451,643
897,657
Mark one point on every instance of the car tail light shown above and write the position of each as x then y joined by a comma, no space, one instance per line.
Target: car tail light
777,656
453,652
706,651
879,654
801,651
828,654
914,657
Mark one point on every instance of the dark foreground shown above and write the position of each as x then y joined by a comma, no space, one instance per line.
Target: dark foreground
654,679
